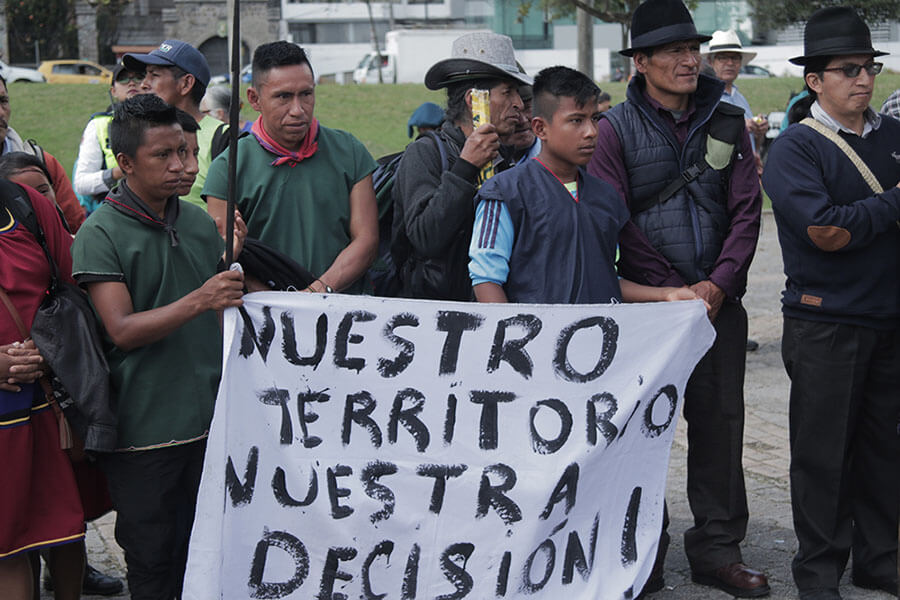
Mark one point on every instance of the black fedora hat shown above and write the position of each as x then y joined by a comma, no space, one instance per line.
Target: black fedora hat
835,31
658,22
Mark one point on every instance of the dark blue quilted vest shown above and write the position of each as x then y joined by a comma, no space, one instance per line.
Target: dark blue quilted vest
688,228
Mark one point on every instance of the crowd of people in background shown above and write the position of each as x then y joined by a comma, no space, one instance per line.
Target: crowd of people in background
556,198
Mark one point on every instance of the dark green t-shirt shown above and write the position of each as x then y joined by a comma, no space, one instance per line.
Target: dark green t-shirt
164,391
301,210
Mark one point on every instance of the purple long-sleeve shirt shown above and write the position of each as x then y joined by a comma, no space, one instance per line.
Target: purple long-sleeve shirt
639,260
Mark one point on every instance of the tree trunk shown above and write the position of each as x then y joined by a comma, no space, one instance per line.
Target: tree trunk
4,38
625,44
375,40
585,26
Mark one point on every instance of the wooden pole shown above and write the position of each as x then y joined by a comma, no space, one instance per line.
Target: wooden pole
234,119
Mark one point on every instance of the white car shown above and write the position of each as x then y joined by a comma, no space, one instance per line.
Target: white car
14,74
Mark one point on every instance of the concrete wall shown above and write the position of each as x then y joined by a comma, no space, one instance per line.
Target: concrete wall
86,22
148,22
4,37
196,21
535,60
606,35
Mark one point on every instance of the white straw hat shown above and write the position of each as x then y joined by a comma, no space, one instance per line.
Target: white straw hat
727,41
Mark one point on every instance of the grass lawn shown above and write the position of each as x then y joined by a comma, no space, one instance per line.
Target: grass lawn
55,115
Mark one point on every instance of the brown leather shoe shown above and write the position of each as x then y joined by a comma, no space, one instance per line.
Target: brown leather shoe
737,579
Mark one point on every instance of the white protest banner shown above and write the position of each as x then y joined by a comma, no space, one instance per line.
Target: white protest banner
371,448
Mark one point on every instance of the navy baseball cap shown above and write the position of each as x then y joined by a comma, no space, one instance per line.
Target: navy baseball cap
172,53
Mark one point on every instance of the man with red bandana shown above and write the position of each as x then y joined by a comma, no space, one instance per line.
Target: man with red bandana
303,189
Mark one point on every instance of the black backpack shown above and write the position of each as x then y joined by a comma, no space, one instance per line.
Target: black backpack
383,272
68,334
220,141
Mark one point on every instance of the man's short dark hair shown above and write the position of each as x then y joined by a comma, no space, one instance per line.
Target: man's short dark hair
554,83
188,123
135,116
199,89
817,65
277,54
456,95
15,162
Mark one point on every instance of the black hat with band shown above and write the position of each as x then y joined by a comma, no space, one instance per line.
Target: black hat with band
659,22
835,31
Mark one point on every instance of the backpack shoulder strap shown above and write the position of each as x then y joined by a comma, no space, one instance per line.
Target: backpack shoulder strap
37,151
18,203
16,200
841,143
442,148
220,141
726,125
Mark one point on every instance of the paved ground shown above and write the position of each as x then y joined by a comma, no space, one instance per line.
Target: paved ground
770,540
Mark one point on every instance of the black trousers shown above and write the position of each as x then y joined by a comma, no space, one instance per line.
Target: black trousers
845,452
154,493
714,412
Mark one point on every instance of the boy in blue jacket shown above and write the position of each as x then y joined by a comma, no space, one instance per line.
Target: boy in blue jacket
546,231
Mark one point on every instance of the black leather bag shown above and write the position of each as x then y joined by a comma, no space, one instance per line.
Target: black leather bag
65,330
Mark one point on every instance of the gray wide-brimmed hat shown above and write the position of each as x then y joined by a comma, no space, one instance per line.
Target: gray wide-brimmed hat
660,22
835,31
475,56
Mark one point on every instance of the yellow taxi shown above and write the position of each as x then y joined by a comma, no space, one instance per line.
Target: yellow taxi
75,71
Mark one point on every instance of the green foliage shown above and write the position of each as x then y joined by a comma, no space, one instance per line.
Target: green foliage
775,14
608,11
50,23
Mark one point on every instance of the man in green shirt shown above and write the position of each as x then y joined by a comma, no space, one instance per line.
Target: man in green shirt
178,73
149,262
303,189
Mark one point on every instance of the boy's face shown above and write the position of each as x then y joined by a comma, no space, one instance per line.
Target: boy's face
571,134
191,164
154,172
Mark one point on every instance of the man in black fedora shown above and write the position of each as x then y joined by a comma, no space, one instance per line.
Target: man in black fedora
437,179
837,225
683,163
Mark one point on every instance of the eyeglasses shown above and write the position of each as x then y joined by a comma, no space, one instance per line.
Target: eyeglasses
852,70
131,79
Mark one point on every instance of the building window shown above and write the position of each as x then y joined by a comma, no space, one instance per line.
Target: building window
302,33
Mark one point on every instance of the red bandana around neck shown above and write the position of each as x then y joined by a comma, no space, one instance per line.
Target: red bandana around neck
307,149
